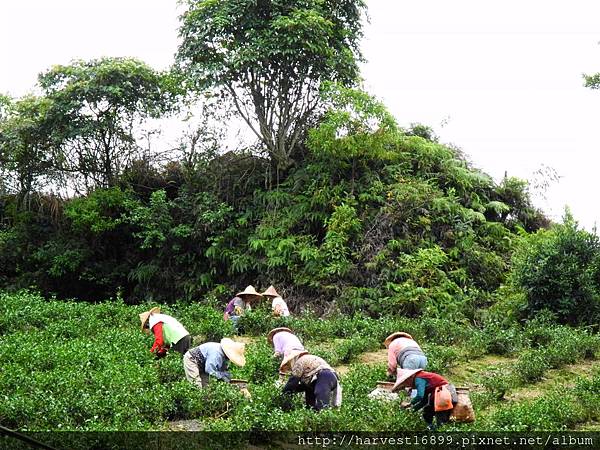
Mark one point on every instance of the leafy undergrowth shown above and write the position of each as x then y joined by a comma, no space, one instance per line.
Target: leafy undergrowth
78,366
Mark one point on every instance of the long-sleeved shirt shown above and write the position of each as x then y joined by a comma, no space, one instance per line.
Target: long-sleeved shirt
215,360
280,304
425,384
398,345
236,302
284,341
167,331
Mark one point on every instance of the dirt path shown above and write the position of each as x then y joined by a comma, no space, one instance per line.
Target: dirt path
183,425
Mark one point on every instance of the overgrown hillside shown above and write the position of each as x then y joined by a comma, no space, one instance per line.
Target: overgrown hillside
372,217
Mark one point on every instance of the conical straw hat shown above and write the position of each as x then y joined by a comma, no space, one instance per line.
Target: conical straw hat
388,340
289,357
249,291
402,375
144,316
234,351
274,331
271,292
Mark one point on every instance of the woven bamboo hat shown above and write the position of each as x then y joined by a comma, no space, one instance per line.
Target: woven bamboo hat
144,316
234,351
388,340
289,357
250,292
402,376
274,331
271,292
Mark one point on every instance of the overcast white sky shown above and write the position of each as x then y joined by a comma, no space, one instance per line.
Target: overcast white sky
501,80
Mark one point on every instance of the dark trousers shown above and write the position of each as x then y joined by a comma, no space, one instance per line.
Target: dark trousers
183,344
441,417
318,395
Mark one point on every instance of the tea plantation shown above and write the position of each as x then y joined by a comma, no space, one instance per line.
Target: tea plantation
81,366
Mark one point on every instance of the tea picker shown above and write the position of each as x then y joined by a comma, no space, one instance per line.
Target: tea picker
278,304
283,340
239,304
435,395
211,359
168,332
313,376
403,352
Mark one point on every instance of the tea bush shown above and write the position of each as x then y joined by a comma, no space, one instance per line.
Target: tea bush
555,411
498,383
440,358
531,365
559,271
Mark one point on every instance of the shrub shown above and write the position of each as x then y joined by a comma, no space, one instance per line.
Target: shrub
440,358
559,270
554,411
498,383
531,365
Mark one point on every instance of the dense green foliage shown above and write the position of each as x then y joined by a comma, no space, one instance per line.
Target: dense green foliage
271,59
374,217
559,270
76,366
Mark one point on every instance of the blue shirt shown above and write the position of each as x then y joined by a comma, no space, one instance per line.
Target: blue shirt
215,360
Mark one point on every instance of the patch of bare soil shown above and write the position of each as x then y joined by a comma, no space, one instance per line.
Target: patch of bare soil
376,357
184,425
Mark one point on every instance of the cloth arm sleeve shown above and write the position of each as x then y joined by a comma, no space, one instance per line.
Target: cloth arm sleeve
392,362
419,401
278,345
158,338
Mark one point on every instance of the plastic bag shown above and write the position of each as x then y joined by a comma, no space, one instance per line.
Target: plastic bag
442,399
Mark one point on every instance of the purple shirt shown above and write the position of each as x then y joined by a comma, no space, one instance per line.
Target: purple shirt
284,341
235,301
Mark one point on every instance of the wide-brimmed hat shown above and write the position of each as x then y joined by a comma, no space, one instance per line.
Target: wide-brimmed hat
388,340
234,351
249,291
402,375
289,356
144,316
274,331
271,292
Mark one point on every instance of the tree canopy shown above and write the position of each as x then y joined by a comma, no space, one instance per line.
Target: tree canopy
95,108
270,57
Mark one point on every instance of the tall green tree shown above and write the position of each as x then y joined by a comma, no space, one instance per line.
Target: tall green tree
97,107
270,58
27,155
